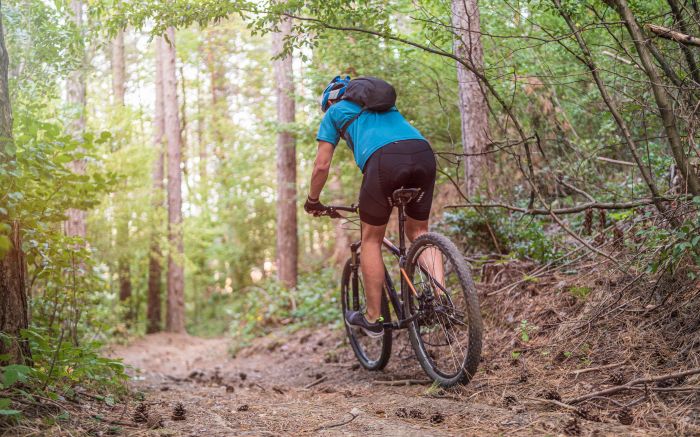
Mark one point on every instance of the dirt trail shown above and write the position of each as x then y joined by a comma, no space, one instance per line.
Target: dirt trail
269,389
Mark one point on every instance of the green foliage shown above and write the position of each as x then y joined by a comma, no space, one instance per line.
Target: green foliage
676,245
60,364
314,302
522,236
580,292
525,330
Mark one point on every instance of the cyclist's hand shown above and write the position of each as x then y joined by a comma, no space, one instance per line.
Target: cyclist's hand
314,208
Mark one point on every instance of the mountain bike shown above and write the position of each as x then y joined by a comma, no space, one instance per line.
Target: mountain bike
436,302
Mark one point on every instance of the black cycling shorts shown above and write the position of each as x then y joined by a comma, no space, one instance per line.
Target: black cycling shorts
401,164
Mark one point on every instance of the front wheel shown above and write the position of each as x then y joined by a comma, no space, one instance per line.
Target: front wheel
446,333
372,353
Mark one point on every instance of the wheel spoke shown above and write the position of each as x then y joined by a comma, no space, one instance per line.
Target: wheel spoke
443,328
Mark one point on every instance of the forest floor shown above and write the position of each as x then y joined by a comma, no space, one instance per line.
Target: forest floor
308,381
587,330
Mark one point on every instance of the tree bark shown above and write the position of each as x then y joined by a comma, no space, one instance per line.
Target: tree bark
75,225
663,101
118,92
472,98
287,241
175,319
14,312
155,259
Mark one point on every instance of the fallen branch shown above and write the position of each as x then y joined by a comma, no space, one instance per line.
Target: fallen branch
404,382
335,425
615,161
317,382
569,210
593,369
555,402
665,32
631,384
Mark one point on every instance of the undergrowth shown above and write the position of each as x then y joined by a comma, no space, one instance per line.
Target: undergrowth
59,371
492,231
262,308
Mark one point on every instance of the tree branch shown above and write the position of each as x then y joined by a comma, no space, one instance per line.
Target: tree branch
569,210
665,32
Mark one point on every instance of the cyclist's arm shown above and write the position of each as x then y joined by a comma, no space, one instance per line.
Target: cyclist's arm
322,165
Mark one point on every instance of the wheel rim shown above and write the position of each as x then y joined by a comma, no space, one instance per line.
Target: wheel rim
367,349
442,329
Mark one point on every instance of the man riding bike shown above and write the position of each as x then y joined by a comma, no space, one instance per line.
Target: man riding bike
391,154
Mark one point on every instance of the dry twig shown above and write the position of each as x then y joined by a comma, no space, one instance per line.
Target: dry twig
630,385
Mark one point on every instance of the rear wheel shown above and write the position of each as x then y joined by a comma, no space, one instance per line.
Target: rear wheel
373,353
447,332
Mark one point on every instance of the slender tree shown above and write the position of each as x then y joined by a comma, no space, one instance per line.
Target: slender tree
13,297
118,92
661,96
175,319
287,241
155,268
75,225
472,98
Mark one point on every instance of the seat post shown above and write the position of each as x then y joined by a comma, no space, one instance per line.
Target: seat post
402,235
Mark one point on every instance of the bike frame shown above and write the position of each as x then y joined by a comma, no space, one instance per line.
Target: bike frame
405,283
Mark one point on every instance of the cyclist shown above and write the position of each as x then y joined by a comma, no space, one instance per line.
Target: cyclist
391,154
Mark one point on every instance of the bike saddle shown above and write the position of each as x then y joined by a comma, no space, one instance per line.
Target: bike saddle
404,196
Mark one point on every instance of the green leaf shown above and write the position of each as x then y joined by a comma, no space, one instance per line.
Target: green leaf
4,403
10,413
14,373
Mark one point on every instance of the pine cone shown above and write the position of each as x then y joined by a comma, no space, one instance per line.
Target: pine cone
625,416
141,413
550,394
617,378
179,412
155,421
572,427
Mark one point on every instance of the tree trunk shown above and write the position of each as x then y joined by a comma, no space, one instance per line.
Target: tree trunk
287,241
75,225
663,100
175,320
118,69
14,313
472,98
118,91
155,258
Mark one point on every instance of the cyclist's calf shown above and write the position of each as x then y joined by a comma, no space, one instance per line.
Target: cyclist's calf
415,228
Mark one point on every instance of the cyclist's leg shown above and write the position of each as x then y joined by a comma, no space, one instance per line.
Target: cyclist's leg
372,268
418,212
374,215
430,259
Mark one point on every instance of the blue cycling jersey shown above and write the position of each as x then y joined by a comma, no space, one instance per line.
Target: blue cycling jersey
370,132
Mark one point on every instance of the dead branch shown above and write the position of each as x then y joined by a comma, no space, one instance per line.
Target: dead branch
569,210
665,32
317,382
594,369
614,161
617,57
555,402
630,385
335,425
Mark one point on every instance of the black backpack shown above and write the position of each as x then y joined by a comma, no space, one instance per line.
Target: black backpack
373,94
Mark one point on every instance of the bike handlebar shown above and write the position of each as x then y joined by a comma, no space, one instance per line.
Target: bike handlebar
332,210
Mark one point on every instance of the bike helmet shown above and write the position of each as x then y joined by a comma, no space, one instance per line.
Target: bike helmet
334,91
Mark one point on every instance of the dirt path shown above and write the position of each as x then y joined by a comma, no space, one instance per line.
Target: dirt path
269,389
